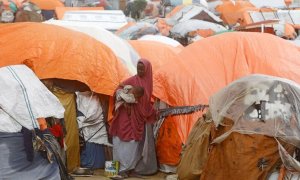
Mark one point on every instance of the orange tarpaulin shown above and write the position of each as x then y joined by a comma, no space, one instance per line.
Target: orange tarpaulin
168,144
202,32
231,13
60,11
47,4
157,53
55,52
240,155
208,65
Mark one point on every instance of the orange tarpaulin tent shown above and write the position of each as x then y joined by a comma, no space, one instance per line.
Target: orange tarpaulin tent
60,11
47,4
208,65
55,52
231,13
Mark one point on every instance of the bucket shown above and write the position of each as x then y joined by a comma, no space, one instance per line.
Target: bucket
111,168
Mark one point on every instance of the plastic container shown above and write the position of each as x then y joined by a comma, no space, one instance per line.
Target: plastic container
111,168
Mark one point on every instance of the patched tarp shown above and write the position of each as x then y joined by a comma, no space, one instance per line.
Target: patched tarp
253,156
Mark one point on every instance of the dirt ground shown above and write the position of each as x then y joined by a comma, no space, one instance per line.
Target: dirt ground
99,175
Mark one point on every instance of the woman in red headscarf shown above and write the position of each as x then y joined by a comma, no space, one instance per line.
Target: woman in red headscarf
133,143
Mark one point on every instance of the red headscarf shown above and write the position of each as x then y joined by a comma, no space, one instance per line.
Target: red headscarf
132,127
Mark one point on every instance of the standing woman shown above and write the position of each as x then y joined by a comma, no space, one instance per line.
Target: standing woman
133,143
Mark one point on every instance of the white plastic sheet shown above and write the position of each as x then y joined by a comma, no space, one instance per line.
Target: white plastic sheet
23,99
91,120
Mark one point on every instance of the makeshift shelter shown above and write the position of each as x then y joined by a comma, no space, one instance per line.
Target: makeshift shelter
59,53
203,28
219,60
183,13
236,12
134,31
24,99
254,106
189,13
17,107
121,48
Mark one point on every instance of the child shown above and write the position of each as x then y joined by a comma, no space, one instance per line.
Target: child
128,94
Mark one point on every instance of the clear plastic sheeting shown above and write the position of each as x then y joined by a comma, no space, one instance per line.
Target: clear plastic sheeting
260,104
